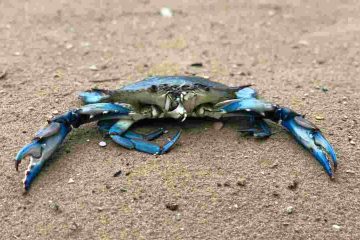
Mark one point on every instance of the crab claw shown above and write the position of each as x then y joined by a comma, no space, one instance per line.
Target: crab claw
41,148
309,136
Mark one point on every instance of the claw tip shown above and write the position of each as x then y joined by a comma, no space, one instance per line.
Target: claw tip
26,185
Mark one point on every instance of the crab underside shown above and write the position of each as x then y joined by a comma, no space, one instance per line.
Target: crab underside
177,97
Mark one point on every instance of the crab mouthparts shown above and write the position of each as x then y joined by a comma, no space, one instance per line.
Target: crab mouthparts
178,112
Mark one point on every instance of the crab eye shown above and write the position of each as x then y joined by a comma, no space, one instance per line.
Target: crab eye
153,88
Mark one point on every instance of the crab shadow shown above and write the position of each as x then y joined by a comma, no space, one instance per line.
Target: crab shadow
81,136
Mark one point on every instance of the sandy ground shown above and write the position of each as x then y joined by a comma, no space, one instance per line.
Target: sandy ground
290,50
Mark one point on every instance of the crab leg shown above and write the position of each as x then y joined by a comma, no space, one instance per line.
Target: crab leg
149,136
259,129
105,125
119,133
305,132
48,140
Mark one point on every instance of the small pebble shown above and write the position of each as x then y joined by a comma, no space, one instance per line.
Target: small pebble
350,171
178,217
85,44
71,181
290,210
320,61
324,89
54,205
242,73
102,144
73,226
241,182
293,185
303,43
352,142
271,13
166,12
218,125
55,112
118,173
319,118
93,68
172,206
274,165
237,65
198,64
69,46
226,184
276,194
336,227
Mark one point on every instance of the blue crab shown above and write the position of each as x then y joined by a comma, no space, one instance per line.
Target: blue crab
175,97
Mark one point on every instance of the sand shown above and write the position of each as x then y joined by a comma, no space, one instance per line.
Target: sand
215,184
